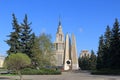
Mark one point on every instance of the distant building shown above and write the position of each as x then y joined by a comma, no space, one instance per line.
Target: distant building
65,51
85,53
2,58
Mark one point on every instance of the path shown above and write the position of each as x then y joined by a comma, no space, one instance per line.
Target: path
69,76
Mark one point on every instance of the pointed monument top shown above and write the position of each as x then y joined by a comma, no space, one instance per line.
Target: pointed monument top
59,30
59,21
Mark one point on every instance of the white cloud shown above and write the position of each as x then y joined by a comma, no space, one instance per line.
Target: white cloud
43,30
80,30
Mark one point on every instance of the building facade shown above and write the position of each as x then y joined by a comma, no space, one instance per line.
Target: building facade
85,53
2,58
59,46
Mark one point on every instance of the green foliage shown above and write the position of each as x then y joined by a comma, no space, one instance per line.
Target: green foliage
84,63
17,61
107,41
14,41
115,46
27,38
100,53
21,39
109,49
105,72
42,71
92,60
42,51
88,62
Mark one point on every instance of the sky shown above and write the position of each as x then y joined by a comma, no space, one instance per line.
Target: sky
87,19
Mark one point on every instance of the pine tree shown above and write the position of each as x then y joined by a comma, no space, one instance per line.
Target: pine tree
14,41
115,46
93,60
27,37
100,53
107,40
84,62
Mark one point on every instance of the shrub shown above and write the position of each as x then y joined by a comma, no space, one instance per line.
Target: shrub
43,71
106,72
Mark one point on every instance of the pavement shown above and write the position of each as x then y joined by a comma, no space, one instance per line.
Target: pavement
76,75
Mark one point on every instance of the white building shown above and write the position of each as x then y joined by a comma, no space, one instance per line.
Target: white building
2,58
85,53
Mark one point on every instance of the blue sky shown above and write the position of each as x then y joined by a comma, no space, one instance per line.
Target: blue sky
87,19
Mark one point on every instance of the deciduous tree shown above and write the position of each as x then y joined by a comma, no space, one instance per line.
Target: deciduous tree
17,61
42,51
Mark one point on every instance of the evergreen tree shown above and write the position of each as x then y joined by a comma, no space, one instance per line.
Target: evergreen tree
84,63
100,53
115,46
27,38
109,48
93,60
14,41
107,39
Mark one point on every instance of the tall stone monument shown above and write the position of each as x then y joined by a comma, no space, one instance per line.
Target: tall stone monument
74,54
67,61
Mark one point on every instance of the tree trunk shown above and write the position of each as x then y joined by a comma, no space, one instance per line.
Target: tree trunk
20,75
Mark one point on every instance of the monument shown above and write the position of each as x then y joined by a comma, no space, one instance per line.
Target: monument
65,51
74,54
67,56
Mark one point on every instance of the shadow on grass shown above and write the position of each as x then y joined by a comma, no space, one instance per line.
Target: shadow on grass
4,78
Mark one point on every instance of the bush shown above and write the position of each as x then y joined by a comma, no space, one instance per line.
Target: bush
43,71
105,72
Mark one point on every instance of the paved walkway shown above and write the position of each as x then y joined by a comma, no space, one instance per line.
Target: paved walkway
68,76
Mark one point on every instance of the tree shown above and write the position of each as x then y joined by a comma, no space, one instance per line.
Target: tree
100,53
107,37
84,63
42,51
21,39
92,60
106,52
27,38
17,61
14,41
88,62
115,46
109,48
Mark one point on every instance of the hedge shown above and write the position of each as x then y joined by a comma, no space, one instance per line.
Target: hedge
105,72
29,71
